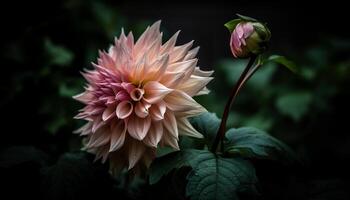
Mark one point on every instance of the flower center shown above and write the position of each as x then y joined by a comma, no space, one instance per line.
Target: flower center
137,94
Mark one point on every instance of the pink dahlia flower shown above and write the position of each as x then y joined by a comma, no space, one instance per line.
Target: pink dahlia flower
139,96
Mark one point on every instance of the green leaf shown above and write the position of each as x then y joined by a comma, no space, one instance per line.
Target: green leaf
231,25
163,165
207,124
211,177
215,177
251,142
58,55
246,18
294,104
283,61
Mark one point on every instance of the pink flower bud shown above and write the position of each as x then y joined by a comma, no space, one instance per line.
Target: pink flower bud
249,38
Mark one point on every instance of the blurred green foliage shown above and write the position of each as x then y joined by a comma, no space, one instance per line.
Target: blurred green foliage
278,101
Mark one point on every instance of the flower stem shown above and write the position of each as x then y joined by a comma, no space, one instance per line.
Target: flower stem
242,79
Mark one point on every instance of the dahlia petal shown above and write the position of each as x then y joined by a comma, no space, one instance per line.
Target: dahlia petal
124,109
248,29
122,38
153,31
194,84
181,103
199,72
130,40
122,95
157,111
169,140
185,128
141,109
204,91
137,94
99,138
128,87
108,113
239,30
97,123
94,110
106,61
122,55
191,112
154,134
169,45
139,70
117,135
179,52
101,152
138,127
192,53
243,41
85,129
147,37
155,91
187,67
161,67
84,97
172,79
154,48
171,124
135,152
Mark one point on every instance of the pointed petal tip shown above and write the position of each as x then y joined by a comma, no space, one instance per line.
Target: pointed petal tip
157,23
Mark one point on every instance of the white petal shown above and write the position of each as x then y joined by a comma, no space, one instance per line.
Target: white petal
169,45
124,109
138,127
155,91
205,90
117,135
199,72
141,109
194,84
191,54
185,128
182,104
157,111
136,150
179,52
172,79
154,134
183,66
160,67
171,124
169,140
99,138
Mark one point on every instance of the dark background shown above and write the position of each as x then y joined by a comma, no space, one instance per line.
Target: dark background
45,45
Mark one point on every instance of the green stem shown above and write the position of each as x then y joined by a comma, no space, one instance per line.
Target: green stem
222,129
